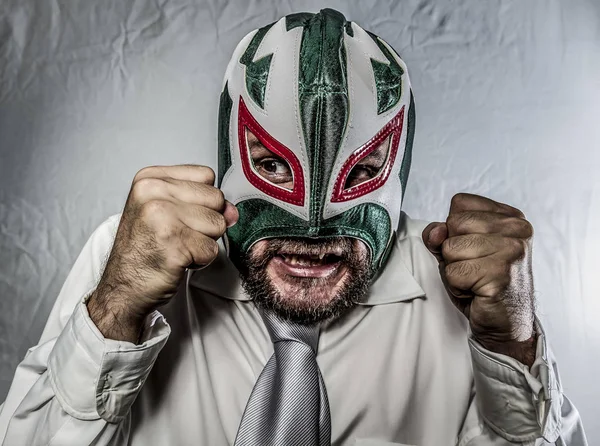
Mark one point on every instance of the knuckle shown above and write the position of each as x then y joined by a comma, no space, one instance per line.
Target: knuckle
153,209
519,247
459,199
458,221
448,247
214,222
145,186
208,174
144,172
148,183
169,232
528,228
519,213
452,221
218,197
523,228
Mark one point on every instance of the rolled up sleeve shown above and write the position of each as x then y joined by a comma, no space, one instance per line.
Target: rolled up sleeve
518,403
93,377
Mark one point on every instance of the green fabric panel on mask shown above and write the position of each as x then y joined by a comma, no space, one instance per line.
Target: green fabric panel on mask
260,219
410,136
323,98
298,19
388,79
257,73
224,160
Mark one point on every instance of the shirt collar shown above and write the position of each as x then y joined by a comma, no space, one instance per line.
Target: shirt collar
396,283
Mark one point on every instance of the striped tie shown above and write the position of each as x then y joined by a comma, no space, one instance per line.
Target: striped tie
288,405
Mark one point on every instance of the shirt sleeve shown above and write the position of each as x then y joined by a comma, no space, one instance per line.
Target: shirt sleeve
515,405
75,387
93,377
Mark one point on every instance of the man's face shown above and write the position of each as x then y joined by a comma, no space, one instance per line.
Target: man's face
303,279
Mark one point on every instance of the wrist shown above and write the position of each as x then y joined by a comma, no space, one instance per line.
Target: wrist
523,351
114,319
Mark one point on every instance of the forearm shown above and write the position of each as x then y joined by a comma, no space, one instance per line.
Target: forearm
519,341
524,351
114,320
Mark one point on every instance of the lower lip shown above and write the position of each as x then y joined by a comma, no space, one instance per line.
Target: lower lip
313,271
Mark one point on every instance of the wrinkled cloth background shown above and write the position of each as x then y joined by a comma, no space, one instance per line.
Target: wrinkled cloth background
507,97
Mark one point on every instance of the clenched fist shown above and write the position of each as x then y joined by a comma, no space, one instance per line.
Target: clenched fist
172,219
484,253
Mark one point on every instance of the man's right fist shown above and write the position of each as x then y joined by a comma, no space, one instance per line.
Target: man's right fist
172,219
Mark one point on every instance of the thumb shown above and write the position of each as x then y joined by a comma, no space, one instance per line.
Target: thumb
231,214
434,235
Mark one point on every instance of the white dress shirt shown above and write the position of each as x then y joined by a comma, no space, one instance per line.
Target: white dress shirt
400,368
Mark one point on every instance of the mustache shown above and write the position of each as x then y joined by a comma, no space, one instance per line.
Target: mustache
341,247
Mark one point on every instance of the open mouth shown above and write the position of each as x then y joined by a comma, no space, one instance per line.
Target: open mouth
308,263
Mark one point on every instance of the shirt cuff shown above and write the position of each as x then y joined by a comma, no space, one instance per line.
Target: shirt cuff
519,404
93,377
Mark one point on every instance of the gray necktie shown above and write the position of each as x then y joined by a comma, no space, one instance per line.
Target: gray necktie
288,405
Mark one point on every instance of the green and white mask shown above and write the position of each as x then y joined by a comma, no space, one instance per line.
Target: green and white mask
321,94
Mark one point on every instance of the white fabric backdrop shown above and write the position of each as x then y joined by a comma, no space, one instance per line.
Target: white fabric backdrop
507,98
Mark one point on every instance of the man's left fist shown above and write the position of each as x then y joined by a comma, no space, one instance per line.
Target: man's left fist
484,252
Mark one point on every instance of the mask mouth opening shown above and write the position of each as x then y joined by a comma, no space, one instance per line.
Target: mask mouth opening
316,251
323,261
311,255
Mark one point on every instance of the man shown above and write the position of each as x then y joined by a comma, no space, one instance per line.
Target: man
351,323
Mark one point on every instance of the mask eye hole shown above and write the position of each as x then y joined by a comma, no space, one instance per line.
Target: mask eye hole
268,165
370,166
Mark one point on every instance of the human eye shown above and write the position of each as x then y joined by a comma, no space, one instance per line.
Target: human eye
268,165
360,174
274,169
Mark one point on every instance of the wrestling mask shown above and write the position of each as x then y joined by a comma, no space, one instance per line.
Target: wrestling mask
330,107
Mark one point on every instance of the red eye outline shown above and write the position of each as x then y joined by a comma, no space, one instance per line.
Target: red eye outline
393,127
246,120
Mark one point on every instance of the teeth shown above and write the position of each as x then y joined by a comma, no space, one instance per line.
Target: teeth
305,260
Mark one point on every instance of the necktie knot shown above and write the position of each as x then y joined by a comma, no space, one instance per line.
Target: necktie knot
284,330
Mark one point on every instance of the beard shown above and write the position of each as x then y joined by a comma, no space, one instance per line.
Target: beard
313,300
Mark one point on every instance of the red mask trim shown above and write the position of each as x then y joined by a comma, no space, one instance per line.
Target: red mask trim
294,196
393,127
